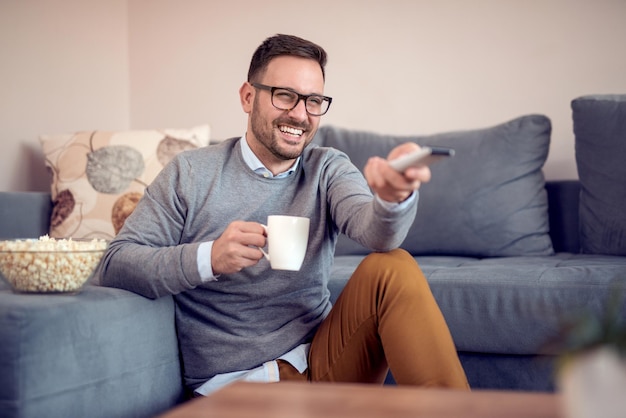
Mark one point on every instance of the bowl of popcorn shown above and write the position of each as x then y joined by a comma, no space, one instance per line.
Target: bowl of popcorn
49,265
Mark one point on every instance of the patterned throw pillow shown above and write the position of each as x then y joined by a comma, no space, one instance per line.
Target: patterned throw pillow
98,177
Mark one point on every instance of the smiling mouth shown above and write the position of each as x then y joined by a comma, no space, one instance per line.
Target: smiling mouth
291,131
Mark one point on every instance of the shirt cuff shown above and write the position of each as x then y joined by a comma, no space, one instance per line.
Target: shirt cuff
395,206
203,259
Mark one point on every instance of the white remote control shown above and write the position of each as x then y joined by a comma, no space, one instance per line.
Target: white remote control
423,156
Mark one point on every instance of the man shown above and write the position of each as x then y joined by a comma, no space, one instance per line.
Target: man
197,231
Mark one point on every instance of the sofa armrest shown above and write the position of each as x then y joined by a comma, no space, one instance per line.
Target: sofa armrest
563,196
101,353
24,214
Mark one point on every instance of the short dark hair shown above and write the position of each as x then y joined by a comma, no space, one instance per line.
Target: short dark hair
280,45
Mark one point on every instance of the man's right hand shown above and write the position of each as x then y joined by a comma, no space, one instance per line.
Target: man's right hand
238,247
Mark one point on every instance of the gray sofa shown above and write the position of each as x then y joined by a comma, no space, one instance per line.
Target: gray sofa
508,256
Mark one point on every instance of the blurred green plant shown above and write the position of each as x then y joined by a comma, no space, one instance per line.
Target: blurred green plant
588,331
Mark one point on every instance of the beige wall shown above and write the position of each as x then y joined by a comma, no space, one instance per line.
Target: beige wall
405,67
64,68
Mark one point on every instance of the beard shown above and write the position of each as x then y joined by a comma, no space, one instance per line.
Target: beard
268,135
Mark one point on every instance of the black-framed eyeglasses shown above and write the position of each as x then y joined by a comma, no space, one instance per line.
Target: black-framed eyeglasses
284,98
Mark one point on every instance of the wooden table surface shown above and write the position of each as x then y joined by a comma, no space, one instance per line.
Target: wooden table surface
318,400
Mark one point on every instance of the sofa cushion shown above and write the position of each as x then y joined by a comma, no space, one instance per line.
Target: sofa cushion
489,200
600,131
98,177
511,305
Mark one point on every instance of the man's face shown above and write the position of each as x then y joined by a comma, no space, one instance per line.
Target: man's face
278,136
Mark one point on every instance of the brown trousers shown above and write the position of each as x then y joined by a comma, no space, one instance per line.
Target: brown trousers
385,318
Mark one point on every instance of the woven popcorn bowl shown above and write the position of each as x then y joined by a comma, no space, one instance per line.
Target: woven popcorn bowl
48,265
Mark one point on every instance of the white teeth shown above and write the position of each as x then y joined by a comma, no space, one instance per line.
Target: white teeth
289,130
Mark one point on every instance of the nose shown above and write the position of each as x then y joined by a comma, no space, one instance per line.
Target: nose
299,111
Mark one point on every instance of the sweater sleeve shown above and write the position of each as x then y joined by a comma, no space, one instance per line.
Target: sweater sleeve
147,256
358,214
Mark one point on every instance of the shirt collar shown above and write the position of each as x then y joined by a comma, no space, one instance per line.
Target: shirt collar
257,166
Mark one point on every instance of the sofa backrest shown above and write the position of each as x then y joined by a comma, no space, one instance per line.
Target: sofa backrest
24,214
563,196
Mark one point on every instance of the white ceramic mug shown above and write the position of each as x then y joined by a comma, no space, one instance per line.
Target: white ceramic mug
287,239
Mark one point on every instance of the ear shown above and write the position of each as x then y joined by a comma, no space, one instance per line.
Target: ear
246,96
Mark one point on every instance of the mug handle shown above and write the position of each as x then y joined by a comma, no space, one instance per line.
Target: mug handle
267,256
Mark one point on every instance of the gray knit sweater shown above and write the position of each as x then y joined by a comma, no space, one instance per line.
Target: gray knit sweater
244,319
